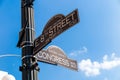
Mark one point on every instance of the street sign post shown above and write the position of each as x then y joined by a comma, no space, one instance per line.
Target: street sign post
29,66
55,27
56,56
31,48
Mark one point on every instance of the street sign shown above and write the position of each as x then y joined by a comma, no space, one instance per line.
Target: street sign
54,55
54,27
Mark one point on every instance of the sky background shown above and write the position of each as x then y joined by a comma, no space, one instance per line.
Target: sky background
94,42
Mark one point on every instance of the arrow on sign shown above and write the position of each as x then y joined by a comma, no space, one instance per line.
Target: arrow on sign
55,55
55,27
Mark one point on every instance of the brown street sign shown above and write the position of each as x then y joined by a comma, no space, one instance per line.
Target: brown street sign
54,55
55,26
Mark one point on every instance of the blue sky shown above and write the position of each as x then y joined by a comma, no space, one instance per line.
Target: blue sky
94,42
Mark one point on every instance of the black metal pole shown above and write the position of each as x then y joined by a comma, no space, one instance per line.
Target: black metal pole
29,66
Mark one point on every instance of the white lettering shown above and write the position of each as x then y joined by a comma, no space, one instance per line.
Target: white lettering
42,38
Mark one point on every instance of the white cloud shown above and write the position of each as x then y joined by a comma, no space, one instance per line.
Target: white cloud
5,76
89,68
94,68
77,52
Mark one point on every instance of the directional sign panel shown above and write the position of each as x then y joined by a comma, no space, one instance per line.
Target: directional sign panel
56,56
54,27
